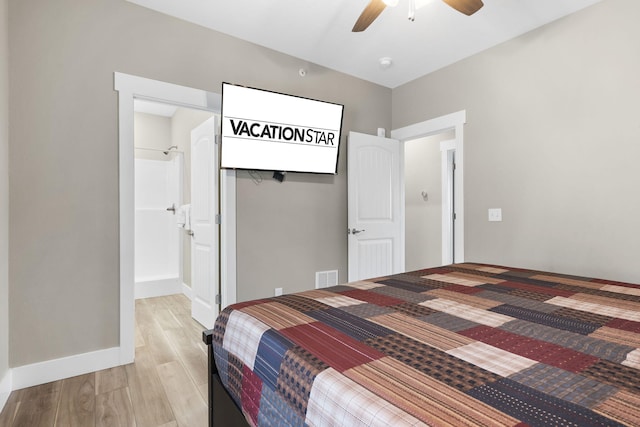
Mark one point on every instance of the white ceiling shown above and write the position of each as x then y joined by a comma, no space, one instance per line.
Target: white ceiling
319,31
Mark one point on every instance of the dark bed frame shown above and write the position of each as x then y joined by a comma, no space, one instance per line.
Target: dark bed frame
226,413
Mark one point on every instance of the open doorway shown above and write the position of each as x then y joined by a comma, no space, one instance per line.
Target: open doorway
130,88
449,127
162,138
428,167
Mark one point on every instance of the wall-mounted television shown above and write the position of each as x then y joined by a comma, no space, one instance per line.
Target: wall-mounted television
270,131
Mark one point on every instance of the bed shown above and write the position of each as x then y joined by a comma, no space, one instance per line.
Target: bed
466,344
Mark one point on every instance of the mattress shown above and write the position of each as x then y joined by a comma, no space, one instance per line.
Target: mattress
466,344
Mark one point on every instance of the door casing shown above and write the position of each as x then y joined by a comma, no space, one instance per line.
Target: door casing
455,122
130,87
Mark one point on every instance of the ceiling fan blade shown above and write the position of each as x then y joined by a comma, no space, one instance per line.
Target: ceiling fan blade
468,7
368,15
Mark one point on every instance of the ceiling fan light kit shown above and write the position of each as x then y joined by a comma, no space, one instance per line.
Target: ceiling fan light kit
375,8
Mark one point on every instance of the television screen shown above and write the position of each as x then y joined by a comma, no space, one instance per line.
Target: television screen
264,130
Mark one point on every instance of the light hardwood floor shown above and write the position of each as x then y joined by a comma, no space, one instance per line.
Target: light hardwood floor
166,386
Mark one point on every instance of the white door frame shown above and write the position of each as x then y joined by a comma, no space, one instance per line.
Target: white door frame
447,154
454,121
130,87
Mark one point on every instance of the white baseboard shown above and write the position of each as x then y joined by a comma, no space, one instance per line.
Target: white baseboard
187,291
66,367
5,389
158,288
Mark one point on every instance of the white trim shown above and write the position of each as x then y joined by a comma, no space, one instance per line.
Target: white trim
454,121
130,87
403,201
158,288
228,238
459,192
127,203
430,127
66,367
6,385
447,150
187,291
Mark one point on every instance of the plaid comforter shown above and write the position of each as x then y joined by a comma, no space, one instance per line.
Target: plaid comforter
467,344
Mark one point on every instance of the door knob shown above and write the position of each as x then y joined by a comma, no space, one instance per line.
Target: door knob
354,231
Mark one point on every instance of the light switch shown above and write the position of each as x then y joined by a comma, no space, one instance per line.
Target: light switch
495,214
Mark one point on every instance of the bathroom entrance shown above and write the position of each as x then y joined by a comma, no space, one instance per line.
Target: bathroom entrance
163,227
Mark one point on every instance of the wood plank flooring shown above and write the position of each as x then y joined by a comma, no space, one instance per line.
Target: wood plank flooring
165,387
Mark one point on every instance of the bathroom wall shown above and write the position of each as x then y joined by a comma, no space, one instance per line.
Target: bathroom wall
158,181
157,255
151,131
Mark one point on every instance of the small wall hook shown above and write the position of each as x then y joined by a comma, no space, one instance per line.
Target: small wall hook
425,196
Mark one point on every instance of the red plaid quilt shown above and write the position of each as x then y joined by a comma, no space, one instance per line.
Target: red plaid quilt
462,345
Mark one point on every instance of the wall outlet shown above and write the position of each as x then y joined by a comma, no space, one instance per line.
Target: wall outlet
278,292
495,214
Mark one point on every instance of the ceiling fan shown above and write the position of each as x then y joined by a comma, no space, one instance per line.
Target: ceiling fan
375,8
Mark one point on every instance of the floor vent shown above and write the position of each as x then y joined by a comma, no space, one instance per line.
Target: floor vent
325,279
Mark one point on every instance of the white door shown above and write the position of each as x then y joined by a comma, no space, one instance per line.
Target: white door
374,222
204,207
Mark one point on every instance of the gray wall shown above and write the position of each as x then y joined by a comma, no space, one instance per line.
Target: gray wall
4,191
552,138
63,260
